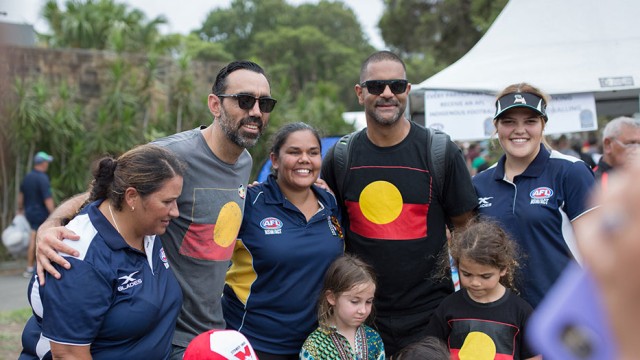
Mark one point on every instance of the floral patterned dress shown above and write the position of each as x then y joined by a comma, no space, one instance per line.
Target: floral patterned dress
329,344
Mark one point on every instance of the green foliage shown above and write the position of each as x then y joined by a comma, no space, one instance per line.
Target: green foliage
197,49
50,121
101,24
30,117
15,316
118,126
76,135
303,55
336,21
11,325
66,122
444,29
236,27
183,90
297,45
421,67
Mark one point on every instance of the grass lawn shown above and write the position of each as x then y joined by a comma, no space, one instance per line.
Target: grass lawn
11,325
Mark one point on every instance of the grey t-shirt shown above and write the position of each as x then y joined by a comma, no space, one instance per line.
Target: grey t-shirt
199,243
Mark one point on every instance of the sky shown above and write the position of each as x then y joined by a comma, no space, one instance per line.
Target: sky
185,15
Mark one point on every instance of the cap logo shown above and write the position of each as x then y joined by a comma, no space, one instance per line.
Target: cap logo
518,99
521,99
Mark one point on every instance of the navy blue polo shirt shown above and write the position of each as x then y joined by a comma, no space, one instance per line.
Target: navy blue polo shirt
117,299
279,261
537,209
35,189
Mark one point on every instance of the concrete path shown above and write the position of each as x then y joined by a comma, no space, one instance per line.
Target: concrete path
13,286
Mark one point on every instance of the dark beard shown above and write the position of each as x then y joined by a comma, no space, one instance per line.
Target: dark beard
234,135
383,121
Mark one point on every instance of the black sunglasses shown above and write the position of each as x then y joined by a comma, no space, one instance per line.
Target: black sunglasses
246,101
376,87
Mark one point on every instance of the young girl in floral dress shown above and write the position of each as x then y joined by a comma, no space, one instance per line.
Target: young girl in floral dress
345,304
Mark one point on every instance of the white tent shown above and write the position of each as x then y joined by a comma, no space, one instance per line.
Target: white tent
560,46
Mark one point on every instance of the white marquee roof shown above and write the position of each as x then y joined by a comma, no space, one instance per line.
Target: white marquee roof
560,46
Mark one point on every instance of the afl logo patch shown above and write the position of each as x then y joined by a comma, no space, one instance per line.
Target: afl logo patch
271,225
242,191
541,195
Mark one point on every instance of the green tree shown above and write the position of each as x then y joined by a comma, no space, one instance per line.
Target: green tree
50,121
118,126
297,45
101,24
336,21
302,55
195,48
65,143
236,27
30,121
444,29
182,91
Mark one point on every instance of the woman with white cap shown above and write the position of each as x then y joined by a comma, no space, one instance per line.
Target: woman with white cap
536,193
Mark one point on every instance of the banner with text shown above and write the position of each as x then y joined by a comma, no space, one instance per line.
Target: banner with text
469,116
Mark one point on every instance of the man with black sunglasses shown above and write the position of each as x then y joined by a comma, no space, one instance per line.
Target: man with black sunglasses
395,218
199,243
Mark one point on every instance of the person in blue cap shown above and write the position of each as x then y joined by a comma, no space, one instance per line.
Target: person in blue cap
35,201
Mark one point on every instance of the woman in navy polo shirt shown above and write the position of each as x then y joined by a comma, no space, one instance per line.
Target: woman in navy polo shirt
289,236
119,300
538,194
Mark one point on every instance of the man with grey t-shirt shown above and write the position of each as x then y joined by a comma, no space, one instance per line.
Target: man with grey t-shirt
198,243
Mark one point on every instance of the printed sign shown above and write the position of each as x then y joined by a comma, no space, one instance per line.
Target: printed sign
469,116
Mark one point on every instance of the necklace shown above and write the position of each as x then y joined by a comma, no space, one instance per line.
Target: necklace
139,247
114,220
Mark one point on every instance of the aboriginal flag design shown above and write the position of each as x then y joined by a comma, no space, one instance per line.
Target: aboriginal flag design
482,339
390,205
214,241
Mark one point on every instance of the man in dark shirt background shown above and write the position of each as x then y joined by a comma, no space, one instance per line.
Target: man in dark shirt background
35,201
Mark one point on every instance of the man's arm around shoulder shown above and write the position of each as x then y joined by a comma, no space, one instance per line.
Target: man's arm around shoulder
50,234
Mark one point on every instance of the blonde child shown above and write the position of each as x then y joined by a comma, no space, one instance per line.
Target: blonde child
485,319
345,304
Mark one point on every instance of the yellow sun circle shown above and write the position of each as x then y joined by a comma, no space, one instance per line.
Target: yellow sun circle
477,346
228,224
381,202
